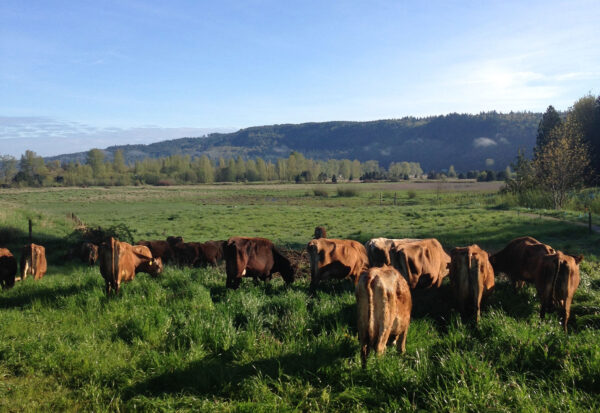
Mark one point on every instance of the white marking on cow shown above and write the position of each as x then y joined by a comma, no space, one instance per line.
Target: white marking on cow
244,272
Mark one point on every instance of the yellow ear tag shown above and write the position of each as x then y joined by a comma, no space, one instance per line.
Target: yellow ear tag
150,262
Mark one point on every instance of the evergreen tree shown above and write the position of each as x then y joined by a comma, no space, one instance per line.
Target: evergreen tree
550,120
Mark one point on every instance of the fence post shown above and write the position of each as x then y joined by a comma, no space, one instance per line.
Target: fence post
395,198
590,220
380,198
30,231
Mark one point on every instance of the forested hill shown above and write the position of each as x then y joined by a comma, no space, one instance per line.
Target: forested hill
465,141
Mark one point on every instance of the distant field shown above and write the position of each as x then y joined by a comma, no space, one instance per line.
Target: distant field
183,342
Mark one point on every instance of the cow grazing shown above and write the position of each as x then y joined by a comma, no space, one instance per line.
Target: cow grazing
423,263
384,304
336,258
8,269
518,259
174,240
378,250
210,253
554,274
556,281
159,249
88,253
257,258
320,232
471,278
33,261
120,261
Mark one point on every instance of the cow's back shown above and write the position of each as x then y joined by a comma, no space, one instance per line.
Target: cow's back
421,257
336,258
378,249
519,259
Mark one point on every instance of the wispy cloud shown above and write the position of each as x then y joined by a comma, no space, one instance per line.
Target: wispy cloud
48,136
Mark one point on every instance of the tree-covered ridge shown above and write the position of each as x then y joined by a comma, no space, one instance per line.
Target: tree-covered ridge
488,140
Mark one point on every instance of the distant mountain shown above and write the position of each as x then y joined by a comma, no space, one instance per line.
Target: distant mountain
485,141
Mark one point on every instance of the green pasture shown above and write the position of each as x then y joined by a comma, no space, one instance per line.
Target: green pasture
183,342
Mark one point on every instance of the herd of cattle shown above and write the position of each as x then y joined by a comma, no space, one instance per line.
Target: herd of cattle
383,270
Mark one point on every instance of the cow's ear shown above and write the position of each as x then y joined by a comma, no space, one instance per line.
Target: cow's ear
578,259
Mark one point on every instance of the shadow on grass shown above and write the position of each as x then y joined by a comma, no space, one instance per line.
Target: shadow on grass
222,376
22,296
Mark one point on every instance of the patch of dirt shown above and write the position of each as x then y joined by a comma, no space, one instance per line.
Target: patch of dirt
300,259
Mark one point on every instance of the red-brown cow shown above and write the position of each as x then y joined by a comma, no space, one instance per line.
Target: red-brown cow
336,258
120,261
159,249
210,253
8,269
320,232
88,253
383,303
33,261
423,263
471,278
257,258
516,260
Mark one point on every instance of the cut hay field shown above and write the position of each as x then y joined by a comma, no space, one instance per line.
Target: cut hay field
182,342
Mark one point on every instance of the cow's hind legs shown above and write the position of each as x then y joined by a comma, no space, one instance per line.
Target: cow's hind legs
364,353
400,342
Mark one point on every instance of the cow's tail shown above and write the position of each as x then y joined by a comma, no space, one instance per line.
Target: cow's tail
560,284
114,247
475,283
405,268
366,320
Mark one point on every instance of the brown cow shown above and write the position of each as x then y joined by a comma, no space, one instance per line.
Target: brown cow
516,260
336,258
257,258
210,253
471,278
33,261
120,261
185,253
556,282
554,274
423,263
383,304
378,249
8,269
320,232
159,249
88,253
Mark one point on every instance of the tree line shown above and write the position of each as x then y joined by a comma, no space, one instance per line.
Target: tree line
32,170
566,156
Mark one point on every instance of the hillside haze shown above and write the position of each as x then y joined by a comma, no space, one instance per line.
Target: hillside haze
484,141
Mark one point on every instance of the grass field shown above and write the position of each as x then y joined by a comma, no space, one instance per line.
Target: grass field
183,342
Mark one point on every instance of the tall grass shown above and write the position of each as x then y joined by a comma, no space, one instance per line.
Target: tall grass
184,342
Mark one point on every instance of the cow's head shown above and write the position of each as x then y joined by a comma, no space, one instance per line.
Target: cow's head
154,266
320,232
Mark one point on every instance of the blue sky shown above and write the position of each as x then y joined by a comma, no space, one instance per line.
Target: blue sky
80,73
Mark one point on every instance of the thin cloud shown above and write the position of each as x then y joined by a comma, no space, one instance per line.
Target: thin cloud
49,137
484,142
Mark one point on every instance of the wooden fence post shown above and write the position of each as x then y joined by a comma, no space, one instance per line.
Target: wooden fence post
30,231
